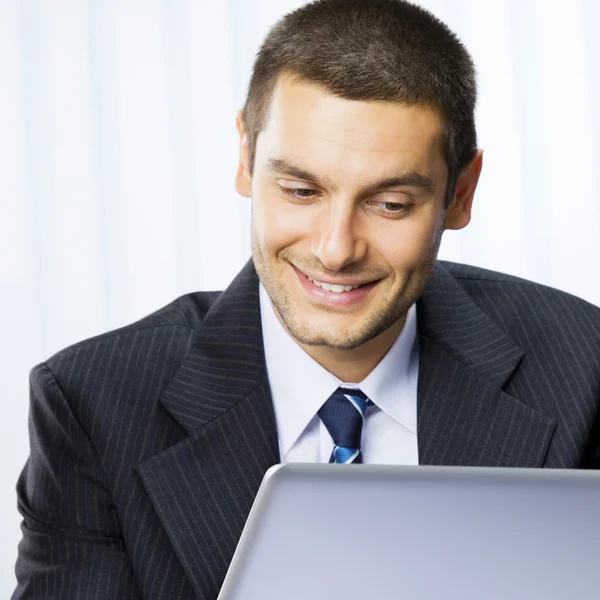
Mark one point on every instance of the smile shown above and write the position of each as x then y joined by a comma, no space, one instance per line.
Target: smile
349,294
335,288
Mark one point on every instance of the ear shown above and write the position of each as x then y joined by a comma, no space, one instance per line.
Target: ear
458,214
243,178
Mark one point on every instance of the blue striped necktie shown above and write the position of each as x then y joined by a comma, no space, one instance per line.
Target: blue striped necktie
343,415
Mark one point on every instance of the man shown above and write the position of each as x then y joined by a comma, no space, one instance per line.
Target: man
358,149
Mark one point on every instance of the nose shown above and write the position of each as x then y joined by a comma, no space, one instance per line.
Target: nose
338,241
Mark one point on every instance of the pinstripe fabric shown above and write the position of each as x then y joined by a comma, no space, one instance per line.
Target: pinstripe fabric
148,444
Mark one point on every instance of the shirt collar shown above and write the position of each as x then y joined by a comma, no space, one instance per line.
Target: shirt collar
298,392
392,384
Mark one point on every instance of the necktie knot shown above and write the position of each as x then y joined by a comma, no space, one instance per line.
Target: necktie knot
343,415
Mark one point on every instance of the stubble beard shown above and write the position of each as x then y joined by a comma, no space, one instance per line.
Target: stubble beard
375,324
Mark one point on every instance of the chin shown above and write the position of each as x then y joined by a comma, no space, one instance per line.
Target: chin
328,341
338,336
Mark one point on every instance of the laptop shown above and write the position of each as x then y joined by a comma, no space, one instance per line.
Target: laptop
328,531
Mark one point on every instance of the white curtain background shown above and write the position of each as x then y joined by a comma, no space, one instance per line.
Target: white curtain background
118,150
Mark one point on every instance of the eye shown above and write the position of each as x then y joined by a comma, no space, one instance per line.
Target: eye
392,208
298,193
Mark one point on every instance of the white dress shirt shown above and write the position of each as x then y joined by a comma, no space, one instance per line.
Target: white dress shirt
300,386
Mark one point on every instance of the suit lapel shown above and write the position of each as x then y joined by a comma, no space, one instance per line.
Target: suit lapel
203,487
463,415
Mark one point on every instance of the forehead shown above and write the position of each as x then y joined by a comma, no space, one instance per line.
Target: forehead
306,121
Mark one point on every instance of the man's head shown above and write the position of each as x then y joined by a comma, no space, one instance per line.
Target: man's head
358,149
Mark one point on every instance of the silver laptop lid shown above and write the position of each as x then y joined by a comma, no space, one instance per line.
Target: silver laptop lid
364,531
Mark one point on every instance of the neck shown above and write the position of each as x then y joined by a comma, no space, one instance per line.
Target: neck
353,366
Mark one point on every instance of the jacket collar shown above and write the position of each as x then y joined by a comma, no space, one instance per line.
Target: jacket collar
226,361
464,416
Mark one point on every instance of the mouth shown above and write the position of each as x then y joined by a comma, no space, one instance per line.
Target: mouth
339,294
337,288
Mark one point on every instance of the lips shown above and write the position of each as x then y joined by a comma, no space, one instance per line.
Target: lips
334,287
330,297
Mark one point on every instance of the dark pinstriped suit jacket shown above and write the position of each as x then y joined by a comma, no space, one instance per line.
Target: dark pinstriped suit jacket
148,444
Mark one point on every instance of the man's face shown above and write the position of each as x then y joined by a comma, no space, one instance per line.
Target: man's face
344,193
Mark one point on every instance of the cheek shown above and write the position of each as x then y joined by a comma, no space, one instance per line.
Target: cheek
277,224
411,243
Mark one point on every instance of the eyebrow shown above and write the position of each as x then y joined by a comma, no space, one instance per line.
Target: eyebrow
409,179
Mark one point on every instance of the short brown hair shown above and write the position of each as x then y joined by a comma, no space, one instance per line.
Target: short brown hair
388,50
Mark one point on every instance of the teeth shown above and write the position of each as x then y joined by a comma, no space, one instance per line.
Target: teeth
338,289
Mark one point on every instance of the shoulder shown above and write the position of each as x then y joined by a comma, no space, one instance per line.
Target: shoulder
514,302
461,271
475,278
150,348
